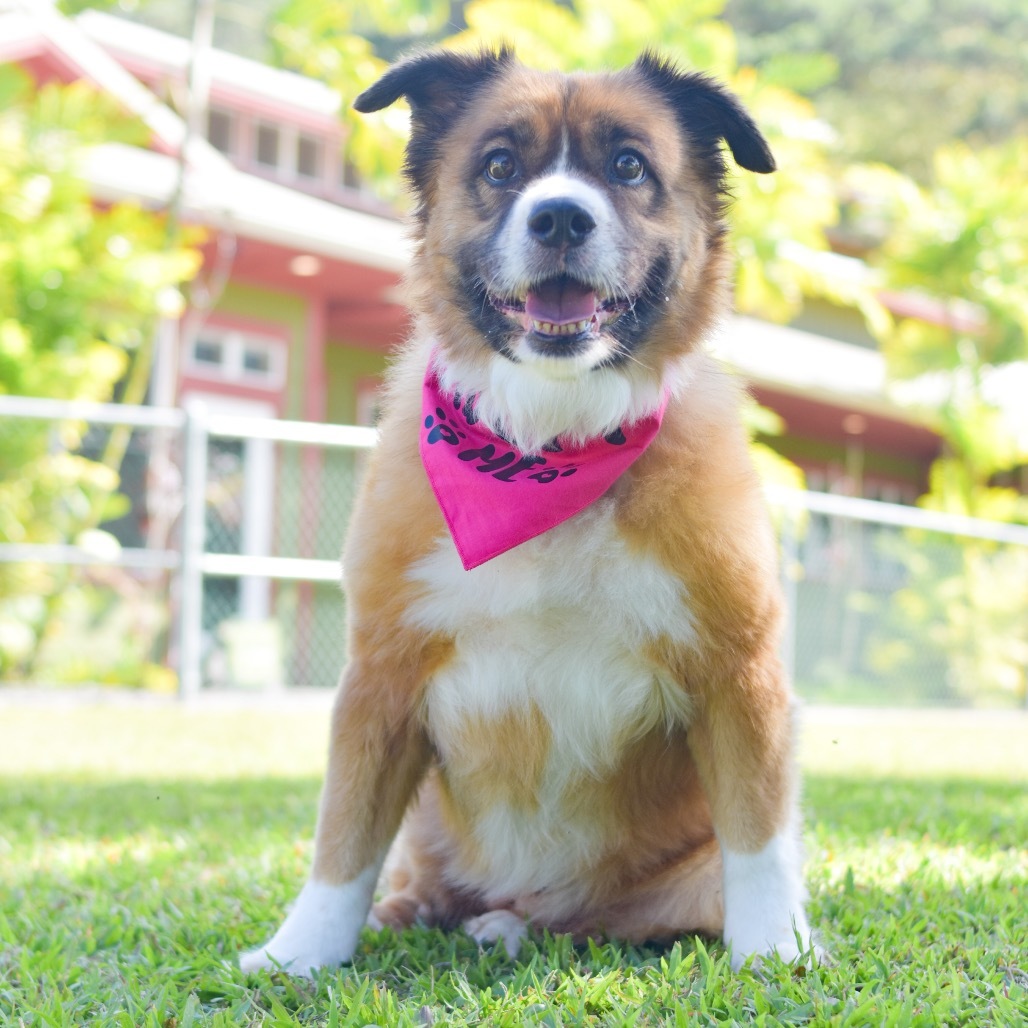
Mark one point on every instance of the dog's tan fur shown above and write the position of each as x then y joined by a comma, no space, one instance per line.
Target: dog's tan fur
707,766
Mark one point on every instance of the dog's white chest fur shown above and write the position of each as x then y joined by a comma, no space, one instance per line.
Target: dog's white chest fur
559,624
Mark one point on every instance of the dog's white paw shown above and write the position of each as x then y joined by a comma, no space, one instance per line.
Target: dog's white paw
791,948
498,926
321,930
764,901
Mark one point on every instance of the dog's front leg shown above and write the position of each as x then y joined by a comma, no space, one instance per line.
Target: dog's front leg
741,739
377,754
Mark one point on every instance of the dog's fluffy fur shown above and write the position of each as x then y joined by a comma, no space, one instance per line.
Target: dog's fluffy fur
590,733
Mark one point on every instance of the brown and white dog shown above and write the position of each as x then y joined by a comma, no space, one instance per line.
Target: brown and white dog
591,731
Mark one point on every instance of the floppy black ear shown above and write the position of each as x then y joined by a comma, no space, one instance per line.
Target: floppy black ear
438,85
434,82
709,113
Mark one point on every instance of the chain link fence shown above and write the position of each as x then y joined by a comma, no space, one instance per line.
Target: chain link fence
210,560
897,606
287,500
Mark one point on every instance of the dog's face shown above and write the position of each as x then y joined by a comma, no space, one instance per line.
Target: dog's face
570,224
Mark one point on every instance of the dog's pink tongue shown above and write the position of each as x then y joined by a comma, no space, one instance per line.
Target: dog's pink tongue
560,301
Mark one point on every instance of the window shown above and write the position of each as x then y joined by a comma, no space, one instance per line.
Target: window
208,352
221,130
268,146
256,360
308,156
241,358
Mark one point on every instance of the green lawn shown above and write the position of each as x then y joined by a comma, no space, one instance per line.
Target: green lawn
142,847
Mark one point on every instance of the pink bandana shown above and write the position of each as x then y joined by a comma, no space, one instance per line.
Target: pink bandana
492,496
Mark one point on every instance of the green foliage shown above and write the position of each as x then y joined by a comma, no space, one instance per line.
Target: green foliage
959,619
964,240
962,243
594,34
79,285
80,289
958,66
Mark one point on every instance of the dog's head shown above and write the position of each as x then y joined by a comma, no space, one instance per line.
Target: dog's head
570,229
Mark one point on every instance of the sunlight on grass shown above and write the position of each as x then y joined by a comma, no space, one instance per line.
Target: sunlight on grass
165,741
915,743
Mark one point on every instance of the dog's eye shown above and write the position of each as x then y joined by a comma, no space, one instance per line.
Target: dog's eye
629,167
500,167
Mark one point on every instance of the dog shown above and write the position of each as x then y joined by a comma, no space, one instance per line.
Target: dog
564,706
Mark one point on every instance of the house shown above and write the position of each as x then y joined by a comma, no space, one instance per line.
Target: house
302,297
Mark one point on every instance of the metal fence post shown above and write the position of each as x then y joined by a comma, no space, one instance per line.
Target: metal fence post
190,623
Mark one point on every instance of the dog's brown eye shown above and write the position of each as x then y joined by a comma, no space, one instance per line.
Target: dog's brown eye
500,166
628,166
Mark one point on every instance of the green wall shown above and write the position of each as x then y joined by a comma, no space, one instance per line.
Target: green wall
345,366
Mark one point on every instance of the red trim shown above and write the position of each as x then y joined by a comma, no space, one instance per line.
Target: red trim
243,323
273,398
312,465
315,375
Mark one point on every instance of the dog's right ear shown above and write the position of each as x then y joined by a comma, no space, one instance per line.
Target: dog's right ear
438,85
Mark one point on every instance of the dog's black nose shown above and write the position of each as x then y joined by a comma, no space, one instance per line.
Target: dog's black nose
560,222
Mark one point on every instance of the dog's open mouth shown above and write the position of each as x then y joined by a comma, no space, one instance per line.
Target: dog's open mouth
561,308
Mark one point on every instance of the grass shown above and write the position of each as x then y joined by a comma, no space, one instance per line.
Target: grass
142,847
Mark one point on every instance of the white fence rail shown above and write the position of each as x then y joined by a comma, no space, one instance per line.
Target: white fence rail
219,565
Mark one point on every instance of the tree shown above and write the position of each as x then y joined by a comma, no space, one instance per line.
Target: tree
81,288
961,242
958,65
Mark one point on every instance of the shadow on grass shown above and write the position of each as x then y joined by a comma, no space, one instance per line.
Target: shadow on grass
951,811
47,808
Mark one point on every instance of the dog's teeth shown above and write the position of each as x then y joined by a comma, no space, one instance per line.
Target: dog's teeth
571,328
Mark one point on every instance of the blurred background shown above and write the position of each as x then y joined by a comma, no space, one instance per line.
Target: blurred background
201,261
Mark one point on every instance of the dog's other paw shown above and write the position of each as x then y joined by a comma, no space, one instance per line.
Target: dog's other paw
321,930
498,926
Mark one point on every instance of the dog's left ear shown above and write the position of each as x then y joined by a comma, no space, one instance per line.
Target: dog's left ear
709,113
